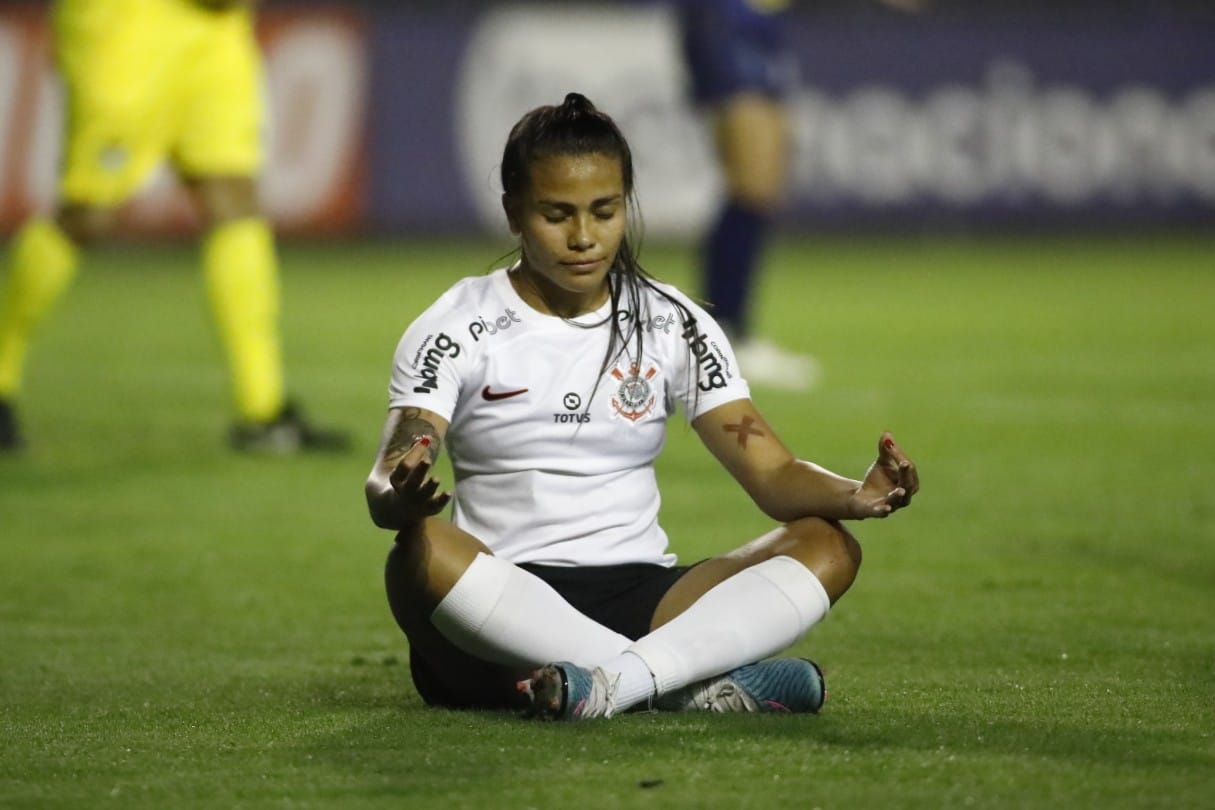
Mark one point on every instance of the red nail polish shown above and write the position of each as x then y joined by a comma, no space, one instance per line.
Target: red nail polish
889,444
424,441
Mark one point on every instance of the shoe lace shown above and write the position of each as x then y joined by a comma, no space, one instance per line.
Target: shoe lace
721,695
601,702
724,695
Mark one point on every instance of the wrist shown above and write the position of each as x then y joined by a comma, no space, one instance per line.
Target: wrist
852,502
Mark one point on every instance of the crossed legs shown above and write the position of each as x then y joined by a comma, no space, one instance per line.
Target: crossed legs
476,624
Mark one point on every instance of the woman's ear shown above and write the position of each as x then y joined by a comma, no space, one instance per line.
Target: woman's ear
508,208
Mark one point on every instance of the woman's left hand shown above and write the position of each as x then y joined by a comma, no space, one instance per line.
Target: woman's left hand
889,483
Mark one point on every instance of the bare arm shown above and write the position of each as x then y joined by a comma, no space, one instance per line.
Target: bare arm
787,488
400,491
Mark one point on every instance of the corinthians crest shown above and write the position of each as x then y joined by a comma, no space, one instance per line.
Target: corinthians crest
635,396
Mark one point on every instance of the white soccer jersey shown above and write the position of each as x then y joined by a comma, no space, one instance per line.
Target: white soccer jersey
549,468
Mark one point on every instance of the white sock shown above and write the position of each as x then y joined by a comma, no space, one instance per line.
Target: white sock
754,614
634,681
501,613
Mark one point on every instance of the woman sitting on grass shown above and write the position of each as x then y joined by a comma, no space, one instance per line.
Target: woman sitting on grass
551,382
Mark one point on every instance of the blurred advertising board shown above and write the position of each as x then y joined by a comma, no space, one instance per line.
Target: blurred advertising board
392,118
900,121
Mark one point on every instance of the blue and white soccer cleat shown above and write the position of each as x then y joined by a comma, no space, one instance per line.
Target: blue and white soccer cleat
565,691
793,685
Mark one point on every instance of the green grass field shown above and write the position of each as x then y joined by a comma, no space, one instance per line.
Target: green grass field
184,627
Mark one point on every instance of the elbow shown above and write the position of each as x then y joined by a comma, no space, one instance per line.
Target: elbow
777,511
774,507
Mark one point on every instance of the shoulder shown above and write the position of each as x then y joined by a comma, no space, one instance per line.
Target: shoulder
435,352
441,320
469,290
462,300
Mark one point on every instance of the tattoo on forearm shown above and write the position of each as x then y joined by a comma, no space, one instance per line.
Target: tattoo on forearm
744,431
408,430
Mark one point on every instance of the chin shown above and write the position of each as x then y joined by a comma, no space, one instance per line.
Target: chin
585,282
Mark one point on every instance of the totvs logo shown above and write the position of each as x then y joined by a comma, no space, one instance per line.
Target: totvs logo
428,364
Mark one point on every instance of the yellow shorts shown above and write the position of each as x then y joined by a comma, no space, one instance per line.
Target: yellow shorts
154,80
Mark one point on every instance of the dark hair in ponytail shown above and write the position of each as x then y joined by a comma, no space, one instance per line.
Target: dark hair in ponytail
576,127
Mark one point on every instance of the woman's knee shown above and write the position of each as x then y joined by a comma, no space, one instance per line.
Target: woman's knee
826,548
425,563
401,568
400,586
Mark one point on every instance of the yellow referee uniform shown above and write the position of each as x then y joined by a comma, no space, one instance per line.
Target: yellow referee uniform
164,80
150,80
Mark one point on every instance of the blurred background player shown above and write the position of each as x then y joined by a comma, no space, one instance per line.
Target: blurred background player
741,72
148,81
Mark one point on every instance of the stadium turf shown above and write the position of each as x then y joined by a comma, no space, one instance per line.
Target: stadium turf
180,626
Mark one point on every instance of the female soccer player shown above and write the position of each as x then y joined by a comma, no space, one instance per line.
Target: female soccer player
551,382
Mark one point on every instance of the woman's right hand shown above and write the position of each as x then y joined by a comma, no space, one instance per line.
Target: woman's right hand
416,491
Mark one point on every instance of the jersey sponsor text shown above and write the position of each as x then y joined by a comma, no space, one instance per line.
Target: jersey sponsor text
442,347
483,327
711,373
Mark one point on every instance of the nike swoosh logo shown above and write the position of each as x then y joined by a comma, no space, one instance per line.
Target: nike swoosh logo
492,396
